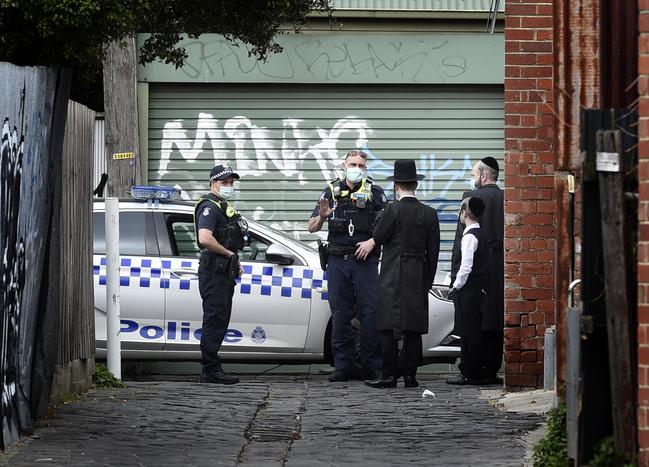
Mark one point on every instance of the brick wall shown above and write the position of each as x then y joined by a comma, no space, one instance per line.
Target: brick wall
643,235
530,200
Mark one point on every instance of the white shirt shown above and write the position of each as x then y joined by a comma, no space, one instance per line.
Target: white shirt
469,246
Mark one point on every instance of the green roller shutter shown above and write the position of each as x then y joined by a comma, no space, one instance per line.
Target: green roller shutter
287,140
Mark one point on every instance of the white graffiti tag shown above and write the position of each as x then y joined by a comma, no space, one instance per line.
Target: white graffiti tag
253,147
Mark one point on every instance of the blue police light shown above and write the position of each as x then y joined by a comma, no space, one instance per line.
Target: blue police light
154,193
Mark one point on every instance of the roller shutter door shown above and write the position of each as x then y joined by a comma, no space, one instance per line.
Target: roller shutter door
287,141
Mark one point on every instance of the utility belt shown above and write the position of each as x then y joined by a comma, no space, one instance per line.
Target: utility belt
341,250
219,263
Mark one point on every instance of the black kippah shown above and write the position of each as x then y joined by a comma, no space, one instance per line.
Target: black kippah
490,162
476,206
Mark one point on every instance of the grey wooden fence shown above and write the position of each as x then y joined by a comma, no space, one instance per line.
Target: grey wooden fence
33,106
76,333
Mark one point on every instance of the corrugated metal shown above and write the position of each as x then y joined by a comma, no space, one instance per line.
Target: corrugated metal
408,5
99,153
286,141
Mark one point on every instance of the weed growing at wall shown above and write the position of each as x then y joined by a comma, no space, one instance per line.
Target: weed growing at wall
606,456
102,378
552,450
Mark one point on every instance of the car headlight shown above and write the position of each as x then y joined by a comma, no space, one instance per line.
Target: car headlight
441,292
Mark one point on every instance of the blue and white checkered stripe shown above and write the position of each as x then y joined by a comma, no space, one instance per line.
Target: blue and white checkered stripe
135,272
257,279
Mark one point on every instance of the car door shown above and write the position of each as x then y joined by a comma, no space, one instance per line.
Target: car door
142,282
271,303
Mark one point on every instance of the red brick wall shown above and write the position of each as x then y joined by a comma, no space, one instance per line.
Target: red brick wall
530,200
643,236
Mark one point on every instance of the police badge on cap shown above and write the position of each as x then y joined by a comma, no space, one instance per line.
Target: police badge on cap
221,172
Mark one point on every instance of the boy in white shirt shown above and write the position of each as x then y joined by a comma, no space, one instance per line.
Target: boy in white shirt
468,293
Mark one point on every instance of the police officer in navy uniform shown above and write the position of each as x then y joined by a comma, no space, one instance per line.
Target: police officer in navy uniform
350,207
220,233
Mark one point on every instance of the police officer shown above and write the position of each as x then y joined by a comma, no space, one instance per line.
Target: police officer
350,207
220,233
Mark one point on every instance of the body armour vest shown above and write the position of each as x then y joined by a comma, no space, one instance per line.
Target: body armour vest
354,212
232,236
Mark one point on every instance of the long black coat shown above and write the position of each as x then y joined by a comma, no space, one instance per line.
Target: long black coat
492,224
409,233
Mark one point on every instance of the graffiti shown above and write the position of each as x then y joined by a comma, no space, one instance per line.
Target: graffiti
237,133
330,60
13,274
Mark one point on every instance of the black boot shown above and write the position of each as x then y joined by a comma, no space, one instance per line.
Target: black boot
410,381
218,377
385,382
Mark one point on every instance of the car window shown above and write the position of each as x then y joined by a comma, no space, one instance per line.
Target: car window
256,251
132,236
184,238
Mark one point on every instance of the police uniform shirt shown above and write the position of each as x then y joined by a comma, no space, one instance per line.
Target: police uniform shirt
379,200
211,217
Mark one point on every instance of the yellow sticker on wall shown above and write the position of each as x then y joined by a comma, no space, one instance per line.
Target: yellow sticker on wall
124,155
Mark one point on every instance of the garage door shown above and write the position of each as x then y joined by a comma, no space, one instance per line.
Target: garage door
287,141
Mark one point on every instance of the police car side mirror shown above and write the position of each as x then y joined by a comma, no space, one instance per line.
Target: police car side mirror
279,254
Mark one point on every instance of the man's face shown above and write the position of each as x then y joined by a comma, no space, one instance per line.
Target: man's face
475,175
355,162
217,184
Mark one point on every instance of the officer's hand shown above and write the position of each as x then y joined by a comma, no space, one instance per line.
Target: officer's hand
364,249
240,270
325,209
452,293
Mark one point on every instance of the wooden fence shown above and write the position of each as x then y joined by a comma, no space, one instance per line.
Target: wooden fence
76,333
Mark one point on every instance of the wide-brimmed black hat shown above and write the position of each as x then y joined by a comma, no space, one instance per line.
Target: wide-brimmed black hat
405,171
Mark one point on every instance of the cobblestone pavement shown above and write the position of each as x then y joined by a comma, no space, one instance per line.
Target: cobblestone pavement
274,420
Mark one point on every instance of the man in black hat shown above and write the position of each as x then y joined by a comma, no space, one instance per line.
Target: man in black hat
408,230
219,235
484,176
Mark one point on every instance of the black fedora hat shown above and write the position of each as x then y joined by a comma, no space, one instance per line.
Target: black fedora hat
405,171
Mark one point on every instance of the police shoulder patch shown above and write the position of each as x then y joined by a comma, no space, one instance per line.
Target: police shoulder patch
206,211
384,198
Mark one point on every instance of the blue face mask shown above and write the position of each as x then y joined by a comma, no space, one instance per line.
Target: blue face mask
226,191
354,174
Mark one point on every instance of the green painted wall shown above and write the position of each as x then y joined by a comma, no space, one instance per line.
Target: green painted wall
343,58
286,141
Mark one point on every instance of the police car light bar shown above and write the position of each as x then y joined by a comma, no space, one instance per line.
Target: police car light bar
152,192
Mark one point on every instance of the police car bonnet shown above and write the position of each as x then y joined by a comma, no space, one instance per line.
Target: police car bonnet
221,172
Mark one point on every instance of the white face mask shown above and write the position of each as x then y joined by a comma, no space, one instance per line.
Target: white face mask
226,191
474,184
354,174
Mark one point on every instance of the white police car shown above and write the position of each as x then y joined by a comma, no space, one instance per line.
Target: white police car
280,311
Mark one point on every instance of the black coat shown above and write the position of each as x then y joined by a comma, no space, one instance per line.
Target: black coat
492,224
409,233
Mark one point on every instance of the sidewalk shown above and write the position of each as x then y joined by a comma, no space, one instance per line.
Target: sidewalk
278,420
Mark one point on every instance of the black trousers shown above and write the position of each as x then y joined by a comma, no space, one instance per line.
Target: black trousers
402,363
469,324
492,342
216,290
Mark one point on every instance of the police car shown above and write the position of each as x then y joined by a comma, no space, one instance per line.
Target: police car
280,311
